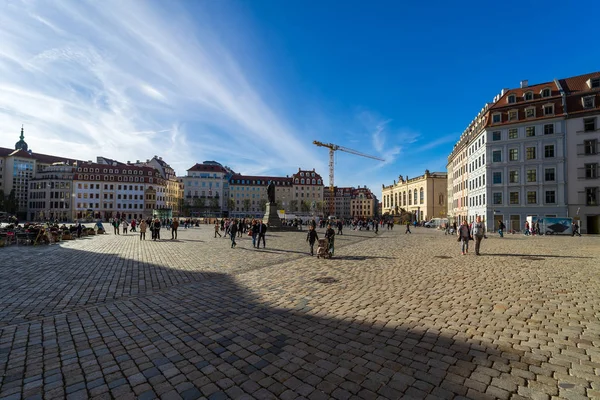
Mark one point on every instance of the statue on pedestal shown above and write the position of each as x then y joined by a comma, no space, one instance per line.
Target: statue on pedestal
271,192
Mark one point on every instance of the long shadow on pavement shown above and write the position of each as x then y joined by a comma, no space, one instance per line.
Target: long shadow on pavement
212,337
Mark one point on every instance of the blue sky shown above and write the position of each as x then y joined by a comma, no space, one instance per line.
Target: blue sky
252,83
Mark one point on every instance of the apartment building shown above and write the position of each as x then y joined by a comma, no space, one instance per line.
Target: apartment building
308,191
363,204
205,189
342,202
248,194
110,189
424,196
50,193
168,198
18,166
582,95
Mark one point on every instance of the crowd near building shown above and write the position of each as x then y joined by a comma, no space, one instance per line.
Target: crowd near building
44,187
532,152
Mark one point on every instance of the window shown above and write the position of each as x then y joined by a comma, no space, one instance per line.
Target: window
591,196
546,92
530,153
548,129
496,118
512,133
549,109
531,197
530,112
513,154
498,198
513,176
591,171
528,96
512,115
594,83
512,99
497,156
588,101
590,147
514,197
496,136
531,175
497,177
550,197
589,124
549,174
530,131
549,151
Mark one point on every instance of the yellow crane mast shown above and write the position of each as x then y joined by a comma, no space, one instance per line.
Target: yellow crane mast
332,149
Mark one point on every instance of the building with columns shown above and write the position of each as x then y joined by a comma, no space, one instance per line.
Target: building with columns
424,196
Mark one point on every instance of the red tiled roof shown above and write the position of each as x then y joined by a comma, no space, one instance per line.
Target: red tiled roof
577,88
42,158
208,168
520,92
264,180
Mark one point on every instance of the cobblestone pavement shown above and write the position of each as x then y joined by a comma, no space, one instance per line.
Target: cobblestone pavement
391,316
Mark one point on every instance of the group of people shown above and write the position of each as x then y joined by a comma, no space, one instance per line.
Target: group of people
234,227
153,224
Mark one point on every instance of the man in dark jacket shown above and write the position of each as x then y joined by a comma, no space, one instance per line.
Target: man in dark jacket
262,229
311,238
233,228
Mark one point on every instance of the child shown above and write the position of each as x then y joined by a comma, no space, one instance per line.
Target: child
311,238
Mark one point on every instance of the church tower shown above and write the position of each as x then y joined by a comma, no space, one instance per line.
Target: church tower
21,144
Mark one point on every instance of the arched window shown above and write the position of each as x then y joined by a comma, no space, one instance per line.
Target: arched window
395,200
313,181
302,181
422,196
409,199
297,180
404,199
415,197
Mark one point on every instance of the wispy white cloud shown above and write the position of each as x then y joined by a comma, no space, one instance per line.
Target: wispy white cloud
128,80
438,142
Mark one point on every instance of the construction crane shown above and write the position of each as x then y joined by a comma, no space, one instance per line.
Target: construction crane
333,148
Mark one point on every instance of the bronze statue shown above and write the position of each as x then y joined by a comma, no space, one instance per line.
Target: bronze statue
271,192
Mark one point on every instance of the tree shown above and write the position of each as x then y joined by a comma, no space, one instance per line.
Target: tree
11,204
231,204
320,205
246,203
214,203
294,205
305,206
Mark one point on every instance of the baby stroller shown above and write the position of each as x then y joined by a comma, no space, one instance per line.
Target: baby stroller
323,249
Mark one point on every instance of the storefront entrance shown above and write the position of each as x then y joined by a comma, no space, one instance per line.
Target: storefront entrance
593,224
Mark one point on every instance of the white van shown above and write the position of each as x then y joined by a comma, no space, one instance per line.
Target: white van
436,222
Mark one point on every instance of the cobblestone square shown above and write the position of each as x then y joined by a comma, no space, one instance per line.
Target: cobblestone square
390,316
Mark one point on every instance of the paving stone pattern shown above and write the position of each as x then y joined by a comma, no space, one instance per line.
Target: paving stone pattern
390,316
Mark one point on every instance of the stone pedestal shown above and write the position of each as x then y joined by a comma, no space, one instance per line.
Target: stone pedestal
271,217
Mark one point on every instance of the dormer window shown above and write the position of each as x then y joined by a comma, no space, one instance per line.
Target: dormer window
588,101
549,109
594,83
546,92
512,115
301,173
528,96
512,99
496,118
530,112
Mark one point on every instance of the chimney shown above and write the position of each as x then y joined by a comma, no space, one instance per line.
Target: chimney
137,161
524,83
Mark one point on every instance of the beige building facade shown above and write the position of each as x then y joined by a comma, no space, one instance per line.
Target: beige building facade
424,196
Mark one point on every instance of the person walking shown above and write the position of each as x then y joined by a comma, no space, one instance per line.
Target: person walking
255,228
526,230
330,236
407,228
217,228
133,225
478,234
157,229
174,226
464,235
143,226
575,229
233,228
376,227
262,230
125,225
311,238
116,226
501,228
